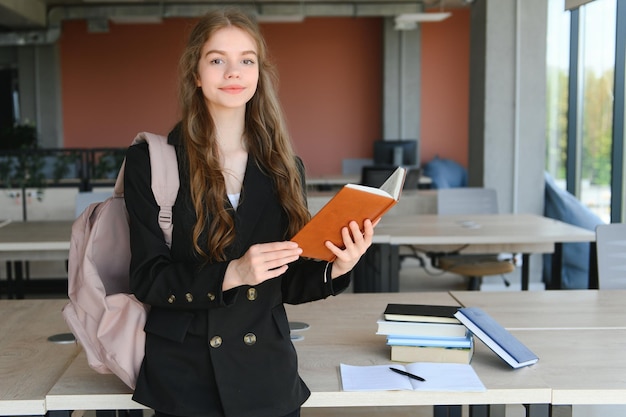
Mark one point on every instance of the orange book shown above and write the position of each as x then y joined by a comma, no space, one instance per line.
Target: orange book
352,202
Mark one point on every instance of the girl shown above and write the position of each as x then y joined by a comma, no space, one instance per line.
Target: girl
217,335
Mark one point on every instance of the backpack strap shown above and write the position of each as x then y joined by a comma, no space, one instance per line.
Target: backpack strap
165,181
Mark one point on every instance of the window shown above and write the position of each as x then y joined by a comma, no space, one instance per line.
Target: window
580,100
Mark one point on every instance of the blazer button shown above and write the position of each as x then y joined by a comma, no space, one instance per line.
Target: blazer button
211,296
249,339
171,298
252,294
216,341
189,297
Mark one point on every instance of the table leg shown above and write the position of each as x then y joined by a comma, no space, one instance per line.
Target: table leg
19,280
378,270
10,280
9,272
561,411
537,410
394,268
525,271
484,410
382,278
59,413
594,282
369,271
557,267
447,411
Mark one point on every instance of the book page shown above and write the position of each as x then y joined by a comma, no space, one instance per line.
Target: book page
373,378
392,187
445,377
371,190
395,182
438,377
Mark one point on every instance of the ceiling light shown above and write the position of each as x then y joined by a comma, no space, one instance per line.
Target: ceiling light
409,21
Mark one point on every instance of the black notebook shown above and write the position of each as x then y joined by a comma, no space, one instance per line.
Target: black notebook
421,312
496,337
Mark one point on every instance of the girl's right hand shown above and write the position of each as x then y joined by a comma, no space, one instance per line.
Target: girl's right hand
261,262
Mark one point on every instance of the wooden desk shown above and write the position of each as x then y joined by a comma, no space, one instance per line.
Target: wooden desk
493,233
342,330
551,310
327,182
582,367
351,339
29,363
32,241
35,240
337,180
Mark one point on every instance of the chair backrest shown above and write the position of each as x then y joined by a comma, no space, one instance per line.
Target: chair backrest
611,250
352,166
467,200
85,198
375,176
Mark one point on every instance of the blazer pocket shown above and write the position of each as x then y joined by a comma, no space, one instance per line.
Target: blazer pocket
169,324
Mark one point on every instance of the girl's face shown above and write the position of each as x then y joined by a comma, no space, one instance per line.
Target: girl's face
228,70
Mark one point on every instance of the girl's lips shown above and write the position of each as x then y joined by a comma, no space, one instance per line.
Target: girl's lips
233,89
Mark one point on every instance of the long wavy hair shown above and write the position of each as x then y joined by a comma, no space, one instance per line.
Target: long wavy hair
266,136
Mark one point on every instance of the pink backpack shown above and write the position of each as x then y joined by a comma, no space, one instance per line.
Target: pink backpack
105,319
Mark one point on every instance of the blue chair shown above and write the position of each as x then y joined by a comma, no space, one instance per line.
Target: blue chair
563,206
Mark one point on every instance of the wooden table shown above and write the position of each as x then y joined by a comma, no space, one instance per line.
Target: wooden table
550,310
35,240
32,241
326,182
30,364
342,330
581,366
489,233
577,365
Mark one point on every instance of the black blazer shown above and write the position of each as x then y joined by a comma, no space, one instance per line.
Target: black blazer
211,352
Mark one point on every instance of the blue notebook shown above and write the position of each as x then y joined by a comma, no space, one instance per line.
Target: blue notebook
496,337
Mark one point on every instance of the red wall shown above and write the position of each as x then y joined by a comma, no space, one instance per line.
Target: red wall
445,88
118,83
331,87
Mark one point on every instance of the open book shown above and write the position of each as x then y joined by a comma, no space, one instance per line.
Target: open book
437,377
352,202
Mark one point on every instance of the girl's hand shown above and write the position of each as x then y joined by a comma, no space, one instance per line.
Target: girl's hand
355,242
261,262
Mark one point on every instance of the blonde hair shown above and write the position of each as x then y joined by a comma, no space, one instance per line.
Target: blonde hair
266,136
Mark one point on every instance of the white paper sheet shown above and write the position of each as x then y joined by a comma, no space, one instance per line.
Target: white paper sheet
438,376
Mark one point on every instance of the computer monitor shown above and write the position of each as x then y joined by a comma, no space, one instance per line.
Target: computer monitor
395,152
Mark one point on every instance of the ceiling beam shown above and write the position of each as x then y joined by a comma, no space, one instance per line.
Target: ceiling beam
23,14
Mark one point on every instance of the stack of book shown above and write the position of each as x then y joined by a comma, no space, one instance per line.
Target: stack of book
425,333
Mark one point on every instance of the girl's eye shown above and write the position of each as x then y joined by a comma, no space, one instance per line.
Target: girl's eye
217,61
248,61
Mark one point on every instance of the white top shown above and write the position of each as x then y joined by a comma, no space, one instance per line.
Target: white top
234,199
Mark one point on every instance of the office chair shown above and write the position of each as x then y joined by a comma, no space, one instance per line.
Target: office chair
611,251
470,201
375,176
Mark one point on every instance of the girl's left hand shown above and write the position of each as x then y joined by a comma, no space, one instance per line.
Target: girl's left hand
355,242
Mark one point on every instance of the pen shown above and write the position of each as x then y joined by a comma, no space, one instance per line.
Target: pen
405,373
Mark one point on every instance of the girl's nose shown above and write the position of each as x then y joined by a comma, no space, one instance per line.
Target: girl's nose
232,72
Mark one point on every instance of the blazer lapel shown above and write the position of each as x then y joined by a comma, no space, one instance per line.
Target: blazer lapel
257,190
